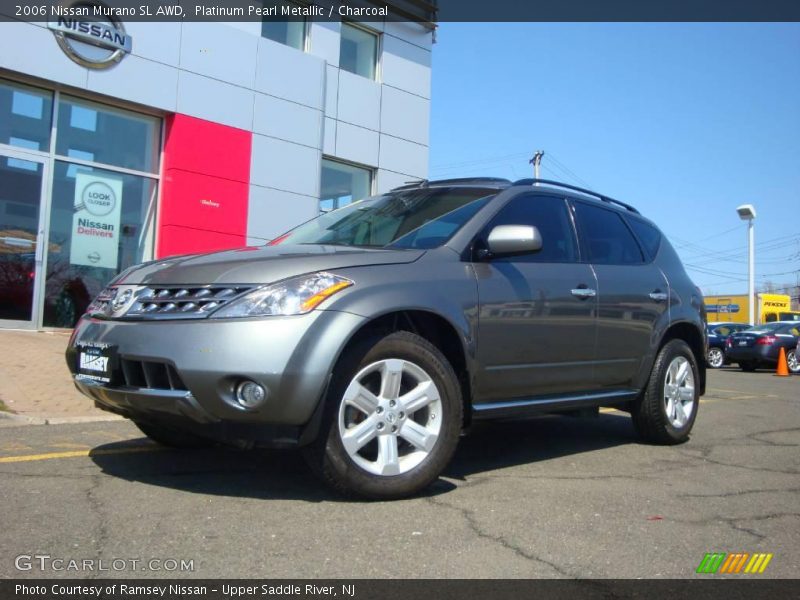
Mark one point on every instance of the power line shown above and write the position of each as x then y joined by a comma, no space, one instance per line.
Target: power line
566,169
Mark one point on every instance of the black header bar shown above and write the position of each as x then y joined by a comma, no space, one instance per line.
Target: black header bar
425,12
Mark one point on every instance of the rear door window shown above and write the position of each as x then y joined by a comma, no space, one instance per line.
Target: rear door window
605,238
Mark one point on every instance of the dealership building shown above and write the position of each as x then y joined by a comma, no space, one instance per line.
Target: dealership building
124,141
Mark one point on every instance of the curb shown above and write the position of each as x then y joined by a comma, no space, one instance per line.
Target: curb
10,420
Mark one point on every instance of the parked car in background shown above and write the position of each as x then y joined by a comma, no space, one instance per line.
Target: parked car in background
373,335
718,334
760,346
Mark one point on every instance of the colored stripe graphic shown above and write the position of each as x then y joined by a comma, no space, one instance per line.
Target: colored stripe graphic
735,562
711,562
758,563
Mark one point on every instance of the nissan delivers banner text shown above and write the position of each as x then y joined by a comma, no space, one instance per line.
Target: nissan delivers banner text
95,224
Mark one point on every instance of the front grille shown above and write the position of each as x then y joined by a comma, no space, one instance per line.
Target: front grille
175,302
150,374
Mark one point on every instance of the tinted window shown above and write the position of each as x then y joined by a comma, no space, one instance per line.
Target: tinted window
790,329
724,331
550,216
649,236
607,239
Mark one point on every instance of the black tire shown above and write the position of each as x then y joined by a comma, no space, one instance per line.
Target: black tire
327,455
650,412
715,358
172,438
748,366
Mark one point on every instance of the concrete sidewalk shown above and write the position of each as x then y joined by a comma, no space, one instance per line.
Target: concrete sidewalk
35,384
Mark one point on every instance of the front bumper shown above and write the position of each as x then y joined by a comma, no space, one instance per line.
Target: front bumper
292,357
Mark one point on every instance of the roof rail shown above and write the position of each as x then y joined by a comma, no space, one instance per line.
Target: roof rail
422,183
577,189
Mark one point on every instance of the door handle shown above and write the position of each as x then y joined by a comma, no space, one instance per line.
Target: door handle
658,296
583,293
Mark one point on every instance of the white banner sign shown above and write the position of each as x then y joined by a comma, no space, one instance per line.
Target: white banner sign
95,224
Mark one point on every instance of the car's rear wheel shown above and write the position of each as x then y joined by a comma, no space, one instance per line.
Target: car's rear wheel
792,361
172,437
667,409
748,366
392,420
715,358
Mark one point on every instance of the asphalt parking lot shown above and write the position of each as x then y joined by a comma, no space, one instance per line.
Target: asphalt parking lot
549,497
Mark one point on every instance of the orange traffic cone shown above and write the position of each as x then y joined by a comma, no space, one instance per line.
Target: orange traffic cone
783,367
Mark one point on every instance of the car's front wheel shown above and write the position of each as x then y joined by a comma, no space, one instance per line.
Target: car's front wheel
392,420
667,409
715,358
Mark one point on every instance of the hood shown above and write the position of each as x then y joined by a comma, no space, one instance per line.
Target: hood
260,265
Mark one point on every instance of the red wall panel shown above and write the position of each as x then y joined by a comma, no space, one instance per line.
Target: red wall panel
185,240
204,187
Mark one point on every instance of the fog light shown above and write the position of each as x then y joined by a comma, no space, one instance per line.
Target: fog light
250,395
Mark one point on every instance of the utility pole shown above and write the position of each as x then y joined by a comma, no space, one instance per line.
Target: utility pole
536,161
747,212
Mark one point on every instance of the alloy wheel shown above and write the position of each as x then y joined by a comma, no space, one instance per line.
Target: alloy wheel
792,362
390,417
679,393
715,358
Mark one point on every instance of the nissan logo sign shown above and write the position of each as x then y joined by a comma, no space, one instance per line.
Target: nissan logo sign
89,33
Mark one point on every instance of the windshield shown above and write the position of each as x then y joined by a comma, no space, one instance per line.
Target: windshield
420,218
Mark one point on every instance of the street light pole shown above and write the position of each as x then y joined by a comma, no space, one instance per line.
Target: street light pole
747,212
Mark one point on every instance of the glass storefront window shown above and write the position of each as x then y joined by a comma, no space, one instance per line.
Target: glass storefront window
99,225
290,33
25,116
100,218
111,136
342,184
358,51
20,199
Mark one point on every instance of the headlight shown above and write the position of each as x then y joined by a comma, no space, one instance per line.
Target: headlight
102,304
295,296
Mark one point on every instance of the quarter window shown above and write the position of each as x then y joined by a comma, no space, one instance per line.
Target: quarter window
606,238
549,215
289,32
358,51
649,236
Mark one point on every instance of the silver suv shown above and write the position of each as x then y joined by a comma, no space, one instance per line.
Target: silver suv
373,335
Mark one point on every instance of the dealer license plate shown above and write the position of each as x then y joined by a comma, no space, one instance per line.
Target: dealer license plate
96,360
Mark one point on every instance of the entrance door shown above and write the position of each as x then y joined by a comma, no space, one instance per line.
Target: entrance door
22,178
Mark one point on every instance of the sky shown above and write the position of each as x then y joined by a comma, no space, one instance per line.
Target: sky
684,121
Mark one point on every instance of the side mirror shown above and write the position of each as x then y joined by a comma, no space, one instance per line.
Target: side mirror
510,240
